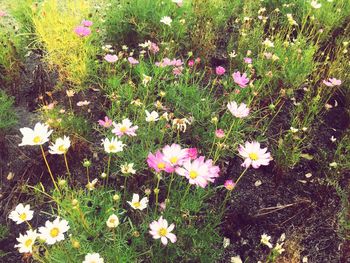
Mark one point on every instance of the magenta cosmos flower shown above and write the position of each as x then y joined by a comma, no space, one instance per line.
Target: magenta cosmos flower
331,82
133,61
220,70
161,230
82,31
229,185
199,172
124,128
192,153
87,23
111,58
240,80
174,154
106,122
240,111
158,164
253,155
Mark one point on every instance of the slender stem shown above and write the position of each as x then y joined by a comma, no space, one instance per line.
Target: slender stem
48,168
239,178
169,187
156,191
87,174
186,192
108,166
223,206
125,179
66,162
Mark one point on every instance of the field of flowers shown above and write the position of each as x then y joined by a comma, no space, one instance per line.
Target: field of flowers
174,131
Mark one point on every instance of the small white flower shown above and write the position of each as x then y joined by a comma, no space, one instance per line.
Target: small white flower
54,231
21,214
333,139
91,185
93,258
112,221
38,136
60,146
226,242
278,248
127,168
113,145
239,111
152,117
136,203
293,130
333,164
265,240
26,241
268,43
146,79
166,20
233,54
315,4
236,259
161,229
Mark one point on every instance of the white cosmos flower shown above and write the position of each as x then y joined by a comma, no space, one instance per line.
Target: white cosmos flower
93,258
278,248
38,136
315,4
240,111
54,231
152,117
166,20
160,229
265,240
21,214
60,146
26,241
127,168
113,145
136,203
254,155
174,154
112,221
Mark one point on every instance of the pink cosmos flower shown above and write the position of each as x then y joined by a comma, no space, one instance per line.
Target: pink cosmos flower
87,23
240,111
106,122
161,229
198,60
219,133
240,80
229,185
254,155
111,58
332,82
133,61
177,71
192,153
124,128
248,60
199,172
190,63
174,154
158,164
220,71
176,62
82,31
153,48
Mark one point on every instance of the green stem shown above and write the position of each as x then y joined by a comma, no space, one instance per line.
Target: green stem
48,168
66,162
108,166
157,191
239,178
169,187
186,192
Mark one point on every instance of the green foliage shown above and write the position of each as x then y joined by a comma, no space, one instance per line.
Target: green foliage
8,117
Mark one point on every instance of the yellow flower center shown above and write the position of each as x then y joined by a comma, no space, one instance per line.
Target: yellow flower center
111,147
123,129
28,242
173,160
54,232
112,220
193,174
23,216
253,156
137,204
37,139
61,148
161,165
162,232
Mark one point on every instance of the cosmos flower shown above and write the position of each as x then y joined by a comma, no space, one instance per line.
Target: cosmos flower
60,146
112,221
21,214
124,128
240,80
111,58
113,145
331,82
82,31
192,153
26,241
229,185
254,155
158,164
93,258
133,61
83,103
248,60
240,111
136,203
106,122
265,240
54,231
160,229
127,168
174,154
166,20
38,136
315,4
152,117
278,248
220,70
86,23
220,133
